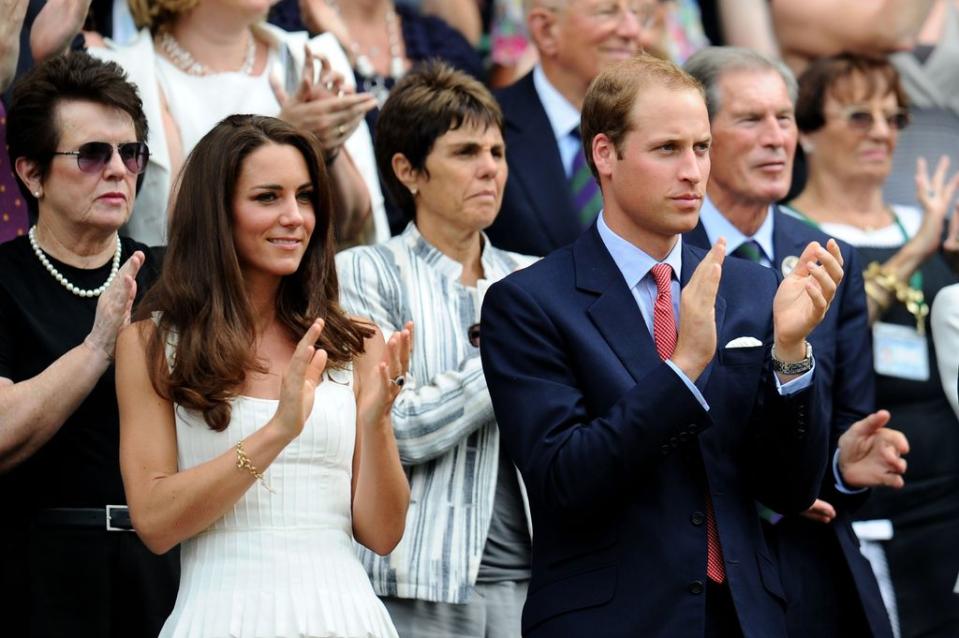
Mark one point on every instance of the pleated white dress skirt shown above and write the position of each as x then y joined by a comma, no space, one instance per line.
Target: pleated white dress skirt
279,565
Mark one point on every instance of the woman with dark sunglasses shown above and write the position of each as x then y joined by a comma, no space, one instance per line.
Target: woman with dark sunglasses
850,112
71,567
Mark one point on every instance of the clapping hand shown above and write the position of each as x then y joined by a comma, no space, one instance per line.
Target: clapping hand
870,454
300,381
390,376
934,195
696,342
804,297
114,306
323,104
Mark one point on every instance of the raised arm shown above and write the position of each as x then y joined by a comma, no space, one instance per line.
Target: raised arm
434,415
168,506
33,410
815,28
381,493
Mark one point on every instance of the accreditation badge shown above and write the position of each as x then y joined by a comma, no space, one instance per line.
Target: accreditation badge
900,351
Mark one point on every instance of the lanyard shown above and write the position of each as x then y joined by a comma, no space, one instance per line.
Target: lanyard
915,282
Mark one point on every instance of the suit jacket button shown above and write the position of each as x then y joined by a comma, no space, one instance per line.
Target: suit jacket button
696,587
683,437
697,518
665,449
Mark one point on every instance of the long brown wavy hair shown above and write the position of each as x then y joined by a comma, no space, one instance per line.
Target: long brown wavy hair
200,297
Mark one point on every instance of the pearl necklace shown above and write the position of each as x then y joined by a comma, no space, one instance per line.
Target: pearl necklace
184,61
79,292
371,81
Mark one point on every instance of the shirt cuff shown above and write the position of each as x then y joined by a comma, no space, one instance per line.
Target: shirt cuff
840,486
798,384
689,384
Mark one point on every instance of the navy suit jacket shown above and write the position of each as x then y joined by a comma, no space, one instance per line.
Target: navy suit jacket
842,346
537,215
617,453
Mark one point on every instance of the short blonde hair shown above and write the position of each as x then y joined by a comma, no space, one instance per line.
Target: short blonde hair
154,14
611,96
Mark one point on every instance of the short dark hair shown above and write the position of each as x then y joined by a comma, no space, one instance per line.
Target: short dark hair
610,98
424,105
33,129
833,75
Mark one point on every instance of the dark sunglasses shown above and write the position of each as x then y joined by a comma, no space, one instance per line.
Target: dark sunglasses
93,156
863,120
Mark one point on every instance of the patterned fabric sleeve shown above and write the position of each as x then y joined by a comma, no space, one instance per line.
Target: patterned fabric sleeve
435,412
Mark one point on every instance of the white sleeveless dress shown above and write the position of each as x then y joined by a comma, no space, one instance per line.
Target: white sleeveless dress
279,565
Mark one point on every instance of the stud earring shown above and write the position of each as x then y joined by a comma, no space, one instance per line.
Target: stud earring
36,194
413,190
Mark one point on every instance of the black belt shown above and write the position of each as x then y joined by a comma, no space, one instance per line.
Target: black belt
112,518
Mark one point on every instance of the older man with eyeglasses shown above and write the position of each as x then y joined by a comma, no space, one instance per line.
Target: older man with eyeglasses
551,197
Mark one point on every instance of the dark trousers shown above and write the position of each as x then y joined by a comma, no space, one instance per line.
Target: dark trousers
83,583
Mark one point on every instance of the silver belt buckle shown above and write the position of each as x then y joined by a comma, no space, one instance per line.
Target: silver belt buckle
110,527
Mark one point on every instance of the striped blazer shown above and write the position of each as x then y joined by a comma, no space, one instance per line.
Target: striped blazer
443,420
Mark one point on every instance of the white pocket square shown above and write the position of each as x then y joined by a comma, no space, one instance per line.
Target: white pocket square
744,342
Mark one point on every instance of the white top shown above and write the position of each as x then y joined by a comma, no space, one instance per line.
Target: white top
139,59
279,564
944,320
221,94
887,237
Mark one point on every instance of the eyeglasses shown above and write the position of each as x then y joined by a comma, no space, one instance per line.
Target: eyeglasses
93,156
611,11
862,119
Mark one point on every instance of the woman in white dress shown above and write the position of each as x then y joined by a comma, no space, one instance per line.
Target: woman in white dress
262,453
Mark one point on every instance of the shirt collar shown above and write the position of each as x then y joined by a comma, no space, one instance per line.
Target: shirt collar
562,115
447,267
633,262
716,226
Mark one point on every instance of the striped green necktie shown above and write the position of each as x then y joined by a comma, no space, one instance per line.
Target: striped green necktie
750,250
587,198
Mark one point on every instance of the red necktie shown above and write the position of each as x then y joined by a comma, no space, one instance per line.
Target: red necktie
664,334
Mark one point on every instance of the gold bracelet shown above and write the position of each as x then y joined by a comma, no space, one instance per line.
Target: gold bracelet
881,296
244,462
913,299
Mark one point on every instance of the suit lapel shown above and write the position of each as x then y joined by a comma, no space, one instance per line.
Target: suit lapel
536,165
614,313
785,244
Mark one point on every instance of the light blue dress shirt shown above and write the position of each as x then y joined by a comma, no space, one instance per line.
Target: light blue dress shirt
716,226
563,118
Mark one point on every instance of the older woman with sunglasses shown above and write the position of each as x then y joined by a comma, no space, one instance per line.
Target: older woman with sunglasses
71,567
850,111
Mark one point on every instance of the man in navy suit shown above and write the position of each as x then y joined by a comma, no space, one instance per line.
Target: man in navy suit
547,202
830,588
643,446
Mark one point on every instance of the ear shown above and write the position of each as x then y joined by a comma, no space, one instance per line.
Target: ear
604,154
405,172
29,172
543,26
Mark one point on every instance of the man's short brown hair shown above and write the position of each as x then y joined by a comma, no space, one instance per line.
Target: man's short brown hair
610,98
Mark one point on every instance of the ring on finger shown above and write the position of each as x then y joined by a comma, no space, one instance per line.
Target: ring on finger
340,130
399,380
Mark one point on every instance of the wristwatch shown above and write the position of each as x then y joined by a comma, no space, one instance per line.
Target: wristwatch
794,367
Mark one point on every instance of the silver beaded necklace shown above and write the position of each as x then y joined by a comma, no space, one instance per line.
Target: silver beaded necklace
371,81
185,61
79,292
